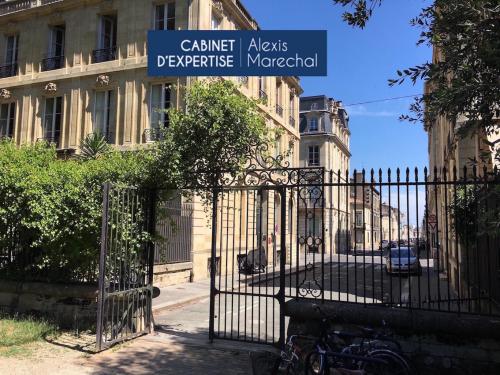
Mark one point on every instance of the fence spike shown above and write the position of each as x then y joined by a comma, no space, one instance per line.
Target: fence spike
416,174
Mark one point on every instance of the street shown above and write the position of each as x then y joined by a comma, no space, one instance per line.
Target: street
247,307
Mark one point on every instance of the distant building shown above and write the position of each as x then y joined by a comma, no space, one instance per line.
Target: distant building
365,215
391,217
325,140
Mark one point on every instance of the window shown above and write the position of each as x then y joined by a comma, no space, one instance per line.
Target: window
7,120
292,110
11,52
313,156
277,146
216,22
55,55
160,102
102,122
12,49
262,88
107,39
165,16
359,219
359,236
313,124
279,108
52,119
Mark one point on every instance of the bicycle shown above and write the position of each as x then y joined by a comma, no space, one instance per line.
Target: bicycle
374,353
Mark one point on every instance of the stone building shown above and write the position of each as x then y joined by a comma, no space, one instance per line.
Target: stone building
391,218
325,143
365,214
448,149
71,68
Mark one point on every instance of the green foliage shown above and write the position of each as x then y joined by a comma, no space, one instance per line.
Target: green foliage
94,146
52,208
464,80
217,134
15,331
475,212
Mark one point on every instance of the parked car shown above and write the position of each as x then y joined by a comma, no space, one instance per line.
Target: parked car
402,260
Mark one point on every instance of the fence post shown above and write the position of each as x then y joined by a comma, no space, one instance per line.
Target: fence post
151,228
281,293
213,267
102,264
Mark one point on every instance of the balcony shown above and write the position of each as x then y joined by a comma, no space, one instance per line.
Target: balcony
279,110
104,54
12,6
291,121
263,95
243,80
51,138
153,135
8,70
52,63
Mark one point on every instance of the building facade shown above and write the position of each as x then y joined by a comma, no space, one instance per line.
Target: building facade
365,214
325,143
391,218
71,68
449,150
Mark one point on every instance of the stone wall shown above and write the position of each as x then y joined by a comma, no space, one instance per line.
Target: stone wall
70,306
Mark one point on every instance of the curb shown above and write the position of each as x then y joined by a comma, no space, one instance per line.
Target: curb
177,304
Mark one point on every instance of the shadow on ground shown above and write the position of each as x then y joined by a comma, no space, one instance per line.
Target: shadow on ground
171,354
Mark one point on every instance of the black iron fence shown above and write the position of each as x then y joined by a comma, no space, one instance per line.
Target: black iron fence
399,239
174,229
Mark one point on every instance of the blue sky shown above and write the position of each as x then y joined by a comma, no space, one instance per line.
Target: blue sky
360,62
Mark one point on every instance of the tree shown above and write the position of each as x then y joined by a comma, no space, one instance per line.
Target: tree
464,80
215,135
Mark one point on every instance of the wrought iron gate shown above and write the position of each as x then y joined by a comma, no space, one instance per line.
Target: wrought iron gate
125,265
256,235
401,241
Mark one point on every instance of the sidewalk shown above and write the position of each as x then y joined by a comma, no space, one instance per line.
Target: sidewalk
175,296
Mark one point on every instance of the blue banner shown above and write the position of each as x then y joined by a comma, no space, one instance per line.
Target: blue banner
237,53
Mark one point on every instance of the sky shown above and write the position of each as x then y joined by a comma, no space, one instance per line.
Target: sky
359,65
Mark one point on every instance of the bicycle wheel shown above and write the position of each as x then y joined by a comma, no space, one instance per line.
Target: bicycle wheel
315,363
390,363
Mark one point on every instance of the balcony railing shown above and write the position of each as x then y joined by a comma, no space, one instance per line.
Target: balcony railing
8,70
153,134
52,63
263,95
291,121
104,54
279,110
51,138
7,7
243,80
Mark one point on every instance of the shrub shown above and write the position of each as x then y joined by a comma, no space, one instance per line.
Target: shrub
50,210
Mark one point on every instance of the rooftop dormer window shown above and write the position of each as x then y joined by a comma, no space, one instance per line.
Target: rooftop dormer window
313,124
